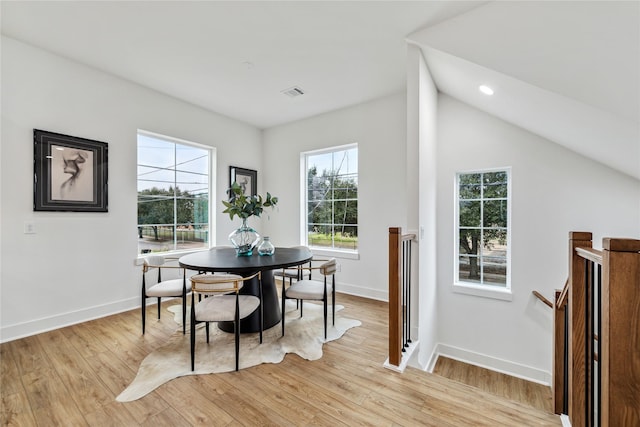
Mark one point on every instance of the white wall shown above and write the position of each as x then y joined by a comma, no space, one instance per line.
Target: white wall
554,191
379,128
422,108
80,265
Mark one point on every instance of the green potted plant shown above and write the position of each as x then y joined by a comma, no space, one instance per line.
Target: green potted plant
245,238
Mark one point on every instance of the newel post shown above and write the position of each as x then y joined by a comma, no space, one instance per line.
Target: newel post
395,305
620,332
577,328
559,330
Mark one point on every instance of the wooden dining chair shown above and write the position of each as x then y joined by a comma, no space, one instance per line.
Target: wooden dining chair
222,302
308,289
298,272
171,288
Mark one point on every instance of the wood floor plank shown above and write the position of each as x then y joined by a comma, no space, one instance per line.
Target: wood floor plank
15,410
112,415
72,377
537,395
75,372
202,407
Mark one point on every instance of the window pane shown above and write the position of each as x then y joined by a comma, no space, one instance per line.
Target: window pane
470,185
494,270
469,241
332,198
173,195
345,212
320,235
494,213
495,243
468,269
470,214
483,227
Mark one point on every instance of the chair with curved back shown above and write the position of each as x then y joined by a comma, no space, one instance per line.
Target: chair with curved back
222,302
297,272
308,289
171,288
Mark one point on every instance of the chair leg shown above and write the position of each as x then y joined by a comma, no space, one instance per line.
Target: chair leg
333,307
143,312
159,307
325,319
207,329
236,328
193,336
184,314
301,306
284,299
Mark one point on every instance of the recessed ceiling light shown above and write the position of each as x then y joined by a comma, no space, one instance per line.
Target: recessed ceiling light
486,90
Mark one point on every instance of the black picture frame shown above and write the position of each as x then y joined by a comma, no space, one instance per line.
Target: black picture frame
244,177
70,173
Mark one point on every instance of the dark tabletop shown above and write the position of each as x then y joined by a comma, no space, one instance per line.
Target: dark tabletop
225,259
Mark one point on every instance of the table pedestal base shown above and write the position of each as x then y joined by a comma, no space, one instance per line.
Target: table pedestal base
270,301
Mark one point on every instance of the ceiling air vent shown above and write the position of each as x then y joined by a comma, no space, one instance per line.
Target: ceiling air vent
293,92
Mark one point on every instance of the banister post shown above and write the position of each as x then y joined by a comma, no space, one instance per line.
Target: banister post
395,305
620,333
577,329
559,329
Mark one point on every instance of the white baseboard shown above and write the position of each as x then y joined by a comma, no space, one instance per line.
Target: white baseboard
565,420
489,362
45,324
359,291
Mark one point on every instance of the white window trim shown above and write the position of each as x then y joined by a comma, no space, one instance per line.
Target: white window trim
212,194
304,241
476,289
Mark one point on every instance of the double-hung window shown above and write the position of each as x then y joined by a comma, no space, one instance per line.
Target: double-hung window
483,229
330,207
173,194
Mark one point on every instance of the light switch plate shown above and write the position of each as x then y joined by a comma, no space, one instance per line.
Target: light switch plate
29,227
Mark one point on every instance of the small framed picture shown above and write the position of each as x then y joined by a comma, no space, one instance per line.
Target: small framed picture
246,178
70,173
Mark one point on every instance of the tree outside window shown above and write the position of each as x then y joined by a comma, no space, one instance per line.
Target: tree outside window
173,195
483,228
332,198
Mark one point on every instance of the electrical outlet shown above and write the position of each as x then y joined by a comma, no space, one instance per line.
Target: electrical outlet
29,227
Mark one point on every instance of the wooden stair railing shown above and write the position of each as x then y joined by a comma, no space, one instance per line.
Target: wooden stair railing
596,373
399,293
542,298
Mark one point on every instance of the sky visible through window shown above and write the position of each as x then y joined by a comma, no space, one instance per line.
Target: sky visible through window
156,160
345,163
173,195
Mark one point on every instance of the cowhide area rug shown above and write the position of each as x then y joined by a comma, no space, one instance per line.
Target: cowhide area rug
303,336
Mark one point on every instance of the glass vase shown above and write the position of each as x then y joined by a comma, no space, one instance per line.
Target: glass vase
266,247
244,239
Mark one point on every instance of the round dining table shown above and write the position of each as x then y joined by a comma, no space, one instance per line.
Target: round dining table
224,259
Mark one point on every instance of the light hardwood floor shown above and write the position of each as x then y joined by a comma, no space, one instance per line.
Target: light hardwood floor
530,393
71,376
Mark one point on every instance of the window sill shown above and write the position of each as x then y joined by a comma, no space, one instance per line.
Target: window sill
485,291
335,253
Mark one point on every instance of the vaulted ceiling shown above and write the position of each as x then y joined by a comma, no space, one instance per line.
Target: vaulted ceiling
568,71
